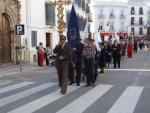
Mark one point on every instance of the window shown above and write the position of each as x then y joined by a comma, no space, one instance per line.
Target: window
50,14
101,14
140,31
132,30
132,21
68,17
111,26
132,10
141,11
140,21
111,14
34,38
101,11
81,22
87,8
100,28
148,30
122,28
79,3
148,11
122,16
76,1
83,5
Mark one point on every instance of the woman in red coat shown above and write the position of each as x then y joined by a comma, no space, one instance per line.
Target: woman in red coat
129,49
41,54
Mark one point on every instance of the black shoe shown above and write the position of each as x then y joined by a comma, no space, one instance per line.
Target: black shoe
93,85
88,85
59,85
71,83
78,84
101,72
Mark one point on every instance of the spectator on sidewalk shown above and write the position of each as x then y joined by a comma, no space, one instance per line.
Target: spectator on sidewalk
129,49
135,46
46,54
41,54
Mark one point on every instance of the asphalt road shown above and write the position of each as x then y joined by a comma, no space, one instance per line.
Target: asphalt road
124,90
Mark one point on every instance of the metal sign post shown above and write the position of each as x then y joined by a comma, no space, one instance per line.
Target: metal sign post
20,31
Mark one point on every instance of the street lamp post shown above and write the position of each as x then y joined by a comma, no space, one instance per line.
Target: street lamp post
60,14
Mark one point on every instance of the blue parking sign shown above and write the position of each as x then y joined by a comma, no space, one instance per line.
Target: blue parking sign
19,29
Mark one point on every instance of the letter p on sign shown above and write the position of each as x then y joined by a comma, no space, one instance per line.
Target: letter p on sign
19,29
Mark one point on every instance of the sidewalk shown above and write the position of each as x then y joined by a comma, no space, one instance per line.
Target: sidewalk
15,69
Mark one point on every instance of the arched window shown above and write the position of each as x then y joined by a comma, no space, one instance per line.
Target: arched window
141,11
132,10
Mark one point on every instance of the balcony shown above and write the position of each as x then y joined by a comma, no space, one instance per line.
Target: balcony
122,30
148,22
148,12
137,23
122,17
101,16
111,16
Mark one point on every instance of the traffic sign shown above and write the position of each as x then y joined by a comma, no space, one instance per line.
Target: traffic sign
19,29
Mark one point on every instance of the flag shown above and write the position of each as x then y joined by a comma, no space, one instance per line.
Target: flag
97,40
73,34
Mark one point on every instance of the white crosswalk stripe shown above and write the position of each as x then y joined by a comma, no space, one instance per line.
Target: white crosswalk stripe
12,98
41,102
10,88
125,102
89,98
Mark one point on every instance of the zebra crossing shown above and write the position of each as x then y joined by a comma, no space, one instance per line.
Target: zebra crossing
32,97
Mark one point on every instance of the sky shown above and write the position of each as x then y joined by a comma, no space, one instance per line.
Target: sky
114,0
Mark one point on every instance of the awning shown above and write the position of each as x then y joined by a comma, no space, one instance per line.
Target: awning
110,34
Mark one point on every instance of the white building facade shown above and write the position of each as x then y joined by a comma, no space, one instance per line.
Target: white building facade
137,11
40,20
122,18
110,18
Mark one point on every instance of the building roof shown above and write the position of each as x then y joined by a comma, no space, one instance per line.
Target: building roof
109,3
136,1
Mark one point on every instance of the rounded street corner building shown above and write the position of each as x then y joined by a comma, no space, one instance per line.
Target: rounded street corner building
9,42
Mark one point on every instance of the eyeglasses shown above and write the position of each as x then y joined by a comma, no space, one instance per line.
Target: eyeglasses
62,39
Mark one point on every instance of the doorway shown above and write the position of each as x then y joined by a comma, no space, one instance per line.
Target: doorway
5,39
48,40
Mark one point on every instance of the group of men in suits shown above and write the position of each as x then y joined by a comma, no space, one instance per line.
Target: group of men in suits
70,60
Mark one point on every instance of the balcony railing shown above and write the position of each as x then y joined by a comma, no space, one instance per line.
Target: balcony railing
137,33
137,23
101,16
111,16
148,12
122,30
148,22
122,17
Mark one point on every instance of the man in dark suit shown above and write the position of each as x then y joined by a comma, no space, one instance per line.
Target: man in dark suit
63,51
102,57
79,50
116,53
